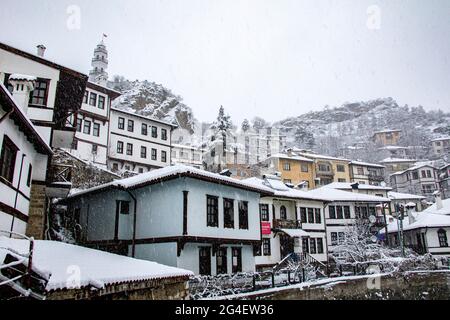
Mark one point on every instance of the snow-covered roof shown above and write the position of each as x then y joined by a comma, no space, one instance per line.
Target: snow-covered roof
392,148
444,210
295,233
421,220
348,186
320,156
293,157
54,260
387,131
285,192
417,166
7,99
395,160
441,139
404,196
144,117
18,76
334,195
367,164
170,172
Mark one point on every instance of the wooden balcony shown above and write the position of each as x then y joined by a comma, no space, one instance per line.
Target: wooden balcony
286,224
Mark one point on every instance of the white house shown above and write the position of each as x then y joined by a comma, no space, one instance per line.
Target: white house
292,221
50,95
91,139
23,158
187,155
421,179
179,216
138,143
404,199
343,208
426,231
366,173
440,146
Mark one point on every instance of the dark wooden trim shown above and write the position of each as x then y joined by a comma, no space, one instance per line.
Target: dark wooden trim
13,212
172,126
140,139
339,225
39,183
42,123
185,212
35,106
112,94
85,113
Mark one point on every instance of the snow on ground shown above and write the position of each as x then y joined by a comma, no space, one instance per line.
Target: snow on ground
59,262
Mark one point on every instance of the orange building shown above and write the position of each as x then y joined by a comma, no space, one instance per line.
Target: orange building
386,137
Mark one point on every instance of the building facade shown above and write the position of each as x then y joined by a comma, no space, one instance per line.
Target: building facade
23,158
387,137
50,95
187,155
366,173
137,143
92,136
422,179
441,146
179,216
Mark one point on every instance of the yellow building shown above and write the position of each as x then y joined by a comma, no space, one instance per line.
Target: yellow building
386,137
294,169
328,169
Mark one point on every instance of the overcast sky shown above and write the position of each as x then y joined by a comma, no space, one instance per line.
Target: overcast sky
270,58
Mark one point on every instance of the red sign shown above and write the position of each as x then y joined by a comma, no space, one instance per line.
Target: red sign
265,228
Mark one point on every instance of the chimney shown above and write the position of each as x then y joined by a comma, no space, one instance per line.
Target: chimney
437,196
41,50
411,217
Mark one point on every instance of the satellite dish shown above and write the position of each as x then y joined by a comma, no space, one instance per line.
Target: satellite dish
374,239
372,219
383,184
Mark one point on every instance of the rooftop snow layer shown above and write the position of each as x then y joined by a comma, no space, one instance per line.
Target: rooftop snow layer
404,196
18,76
348,186
54,260
367,164
445,210
171,171
335,195
422,220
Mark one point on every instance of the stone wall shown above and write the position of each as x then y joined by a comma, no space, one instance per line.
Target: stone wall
431,285
159,289
37,211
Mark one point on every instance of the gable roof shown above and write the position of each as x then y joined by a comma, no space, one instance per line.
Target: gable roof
348,186
8,103
444,210
169,173
337,195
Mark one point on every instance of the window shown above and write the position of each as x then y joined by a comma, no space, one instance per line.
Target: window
121,124
303,215
39,95
415,175
130,126
428,174
30,170
93,99
143,152
221,259
289,181
129,149
341,237
442,235
101,102
74,145
243,215
87,127
79,124
283,214
228,213
94,149
340,168
86,97
237,260
266,247
164,134
360,171
310,215
334,238
287,166
318,215
312,246
319,245
141,170
305,245
324,167
264,212
304,167
163,156
339,214
96,131
154,132
123,207
144,129
332,212
154,154
205,261
212,211
424,174
119,147
342,180
347,212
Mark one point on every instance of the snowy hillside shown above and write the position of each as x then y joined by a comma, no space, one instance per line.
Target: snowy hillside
153,100
354,123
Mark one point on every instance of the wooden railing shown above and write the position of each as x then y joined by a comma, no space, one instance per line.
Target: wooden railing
286,224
